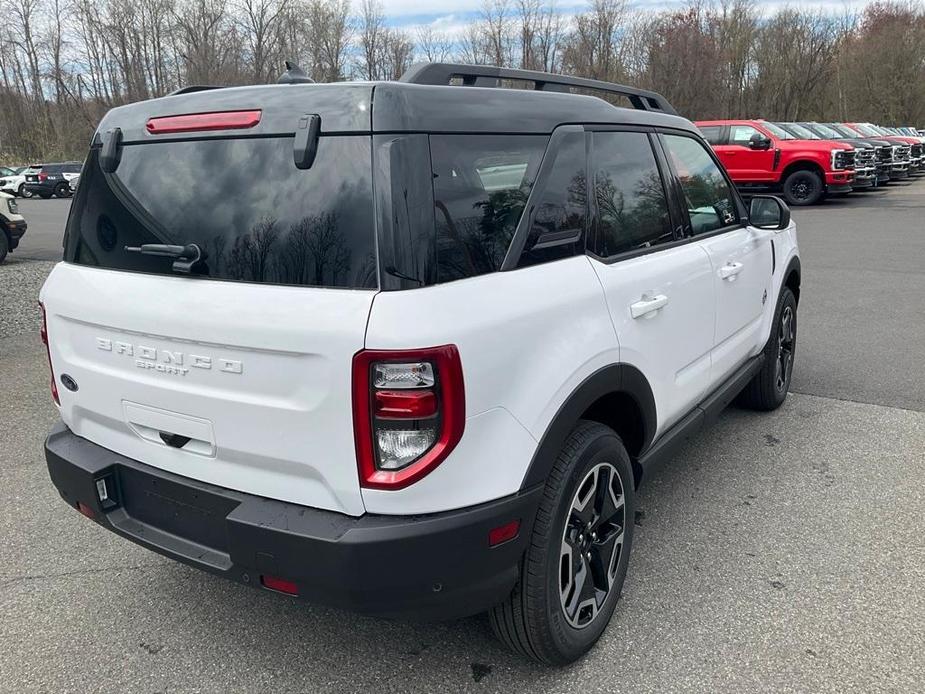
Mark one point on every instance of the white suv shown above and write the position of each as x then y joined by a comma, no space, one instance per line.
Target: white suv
407,348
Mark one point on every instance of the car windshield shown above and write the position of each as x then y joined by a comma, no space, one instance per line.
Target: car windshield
800,131
826,131
866,129
847,130
778,132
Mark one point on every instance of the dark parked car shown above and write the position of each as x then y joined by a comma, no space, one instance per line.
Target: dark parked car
53,179
883,148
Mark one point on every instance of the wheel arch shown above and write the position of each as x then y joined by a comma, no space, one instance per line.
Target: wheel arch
618,396
792,277
803,165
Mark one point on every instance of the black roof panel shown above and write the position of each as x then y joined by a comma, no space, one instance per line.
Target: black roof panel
386,107
399,107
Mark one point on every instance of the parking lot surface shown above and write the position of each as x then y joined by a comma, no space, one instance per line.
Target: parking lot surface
779,552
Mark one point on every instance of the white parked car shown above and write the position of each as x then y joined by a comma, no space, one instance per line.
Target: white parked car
14,182
12,225
421,366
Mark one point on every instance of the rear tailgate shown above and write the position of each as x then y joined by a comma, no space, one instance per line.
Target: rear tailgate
239,373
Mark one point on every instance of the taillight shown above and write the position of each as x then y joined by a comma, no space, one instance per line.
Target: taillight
195,122
409,412
44,332
43,177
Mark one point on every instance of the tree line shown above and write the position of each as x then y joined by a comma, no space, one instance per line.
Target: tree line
64,63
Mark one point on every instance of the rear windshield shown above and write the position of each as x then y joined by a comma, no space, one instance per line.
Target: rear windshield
243,202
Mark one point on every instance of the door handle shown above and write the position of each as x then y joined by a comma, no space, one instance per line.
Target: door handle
648,305
729,271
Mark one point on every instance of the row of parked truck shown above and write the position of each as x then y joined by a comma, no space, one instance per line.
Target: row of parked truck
805,161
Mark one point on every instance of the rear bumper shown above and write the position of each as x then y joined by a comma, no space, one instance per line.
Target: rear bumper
436,566
40,188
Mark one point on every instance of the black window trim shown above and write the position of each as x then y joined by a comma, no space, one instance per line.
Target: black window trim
519,239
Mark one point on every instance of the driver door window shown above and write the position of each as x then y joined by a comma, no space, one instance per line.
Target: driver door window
742,135
709,198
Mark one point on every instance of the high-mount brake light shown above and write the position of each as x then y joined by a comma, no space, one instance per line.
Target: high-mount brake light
199,122
44,334
409,412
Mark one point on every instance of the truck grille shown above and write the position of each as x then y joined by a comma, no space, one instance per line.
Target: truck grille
916,151
864,158
885,154
845,160
903,153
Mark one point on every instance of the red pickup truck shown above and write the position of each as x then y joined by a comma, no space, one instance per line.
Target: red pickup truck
760,156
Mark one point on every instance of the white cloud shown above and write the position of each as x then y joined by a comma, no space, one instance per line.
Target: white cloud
414,12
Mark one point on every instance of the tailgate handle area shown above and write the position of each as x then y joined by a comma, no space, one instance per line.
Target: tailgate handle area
174,440
173,429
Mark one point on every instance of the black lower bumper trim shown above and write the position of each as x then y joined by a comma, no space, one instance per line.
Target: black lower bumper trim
435,566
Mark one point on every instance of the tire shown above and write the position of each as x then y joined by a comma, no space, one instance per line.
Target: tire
4,245
803,187
533,620
23,192
768,389
62,190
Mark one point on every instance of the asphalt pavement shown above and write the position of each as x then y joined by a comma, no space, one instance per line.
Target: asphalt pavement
780,552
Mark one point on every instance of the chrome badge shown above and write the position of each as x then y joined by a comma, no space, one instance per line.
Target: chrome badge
168,360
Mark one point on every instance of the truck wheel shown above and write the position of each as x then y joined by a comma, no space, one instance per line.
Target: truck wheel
802,188
4,245
62,190
573,570
767,390
23,192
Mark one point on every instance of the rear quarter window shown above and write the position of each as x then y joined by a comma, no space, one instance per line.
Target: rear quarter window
480,186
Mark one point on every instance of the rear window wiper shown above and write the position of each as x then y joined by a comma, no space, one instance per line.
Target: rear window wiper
185,257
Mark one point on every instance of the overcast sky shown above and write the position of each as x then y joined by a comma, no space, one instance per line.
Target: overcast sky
450,14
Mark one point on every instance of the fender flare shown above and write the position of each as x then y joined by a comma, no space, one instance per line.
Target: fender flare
793,266
614,378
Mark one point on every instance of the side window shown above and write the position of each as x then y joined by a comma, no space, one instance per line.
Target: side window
481,184
558,224
710,201
742,134
632,208
712,133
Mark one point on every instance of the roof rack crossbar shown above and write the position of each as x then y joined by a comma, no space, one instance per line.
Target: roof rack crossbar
491,76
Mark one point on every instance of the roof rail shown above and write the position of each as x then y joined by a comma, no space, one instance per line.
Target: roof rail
195,88
491,76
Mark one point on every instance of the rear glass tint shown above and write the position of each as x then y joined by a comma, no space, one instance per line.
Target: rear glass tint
481,184
257,217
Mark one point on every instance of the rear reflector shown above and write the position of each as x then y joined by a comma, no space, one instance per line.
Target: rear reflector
280,585
86,510
503,533
408,404
198,122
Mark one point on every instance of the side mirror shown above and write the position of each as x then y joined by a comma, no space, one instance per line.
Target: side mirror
551,227
758,141
768,212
